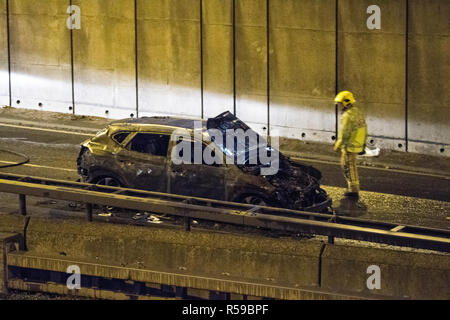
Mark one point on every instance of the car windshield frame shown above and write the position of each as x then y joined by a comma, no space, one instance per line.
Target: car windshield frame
227,121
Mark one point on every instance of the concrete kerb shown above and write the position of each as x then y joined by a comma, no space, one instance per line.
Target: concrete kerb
251,258
403,275
8,242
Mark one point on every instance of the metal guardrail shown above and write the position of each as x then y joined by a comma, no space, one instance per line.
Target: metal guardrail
226,212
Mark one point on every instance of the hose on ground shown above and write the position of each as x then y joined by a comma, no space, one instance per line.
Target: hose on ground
26,159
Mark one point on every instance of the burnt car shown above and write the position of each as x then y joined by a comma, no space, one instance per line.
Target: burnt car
138,153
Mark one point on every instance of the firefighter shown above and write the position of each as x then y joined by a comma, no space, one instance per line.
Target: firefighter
351,140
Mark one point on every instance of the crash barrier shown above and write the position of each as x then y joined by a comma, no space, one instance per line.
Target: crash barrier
118,261
8,242
122,261
226,212
404,275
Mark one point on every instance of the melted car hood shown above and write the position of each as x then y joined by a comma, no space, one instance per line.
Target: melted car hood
227,120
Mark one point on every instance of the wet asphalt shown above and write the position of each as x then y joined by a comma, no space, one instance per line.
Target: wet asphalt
388,181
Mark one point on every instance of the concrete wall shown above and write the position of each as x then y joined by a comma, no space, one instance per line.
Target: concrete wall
251,258
169,57
218,56
9,242
428,74
405,275
302,69
372,65
104,59
251,63
40,55
3,272
285,85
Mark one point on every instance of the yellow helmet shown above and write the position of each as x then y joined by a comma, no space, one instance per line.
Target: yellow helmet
346,97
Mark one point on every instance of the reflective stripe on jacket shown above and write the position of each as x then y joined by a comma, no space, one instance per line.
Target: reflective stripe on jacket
352,131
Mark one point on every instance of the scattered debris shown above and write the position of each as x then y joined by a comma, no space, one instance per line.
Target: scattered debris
371,152
43,202
73,204
105,214
153,219
139,216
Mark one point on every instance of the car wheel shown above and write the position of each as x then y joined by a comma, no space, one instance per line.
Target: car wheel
109,181
254,200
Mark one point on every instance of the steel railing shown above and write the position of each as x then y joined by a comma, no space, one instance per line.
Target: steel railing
226,212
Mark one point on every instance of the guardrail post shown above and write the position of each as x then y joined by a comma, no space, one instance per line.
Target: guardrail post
330,239
187,223
23,204
89,211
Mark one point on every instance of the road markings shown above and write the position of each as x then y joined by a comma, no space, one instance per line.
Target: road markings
41,167
48,130
375,168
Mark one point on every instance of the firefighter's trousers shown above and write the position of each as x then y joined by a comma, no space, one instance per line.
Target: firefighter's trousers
348,163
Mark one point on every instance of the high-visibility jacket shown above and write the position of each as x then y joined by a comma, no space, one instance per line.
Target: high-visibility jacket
352,131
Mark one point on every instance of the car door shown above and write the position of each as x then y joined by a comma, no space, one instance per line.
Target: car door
197,180
144,161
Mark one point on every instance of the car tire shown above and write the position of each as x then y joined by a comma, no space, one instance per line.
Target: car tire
255,200
108,181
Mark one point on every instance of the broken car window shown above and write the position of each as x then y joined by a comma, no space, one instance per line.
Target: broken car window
192,147
150,143
120,137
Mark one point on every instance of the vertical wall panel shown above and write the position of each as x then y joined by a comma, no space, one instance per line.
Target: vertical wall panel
40,55
371,63
429,76
169,57
217,56
4,78
104,60
302,67
251,64
372,66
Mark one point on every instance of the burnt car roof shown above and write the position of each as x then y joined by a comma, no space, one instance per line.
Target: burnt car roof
163,121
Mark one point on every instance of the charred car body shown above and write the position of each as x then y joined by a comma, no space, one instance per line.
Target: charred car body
137,153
